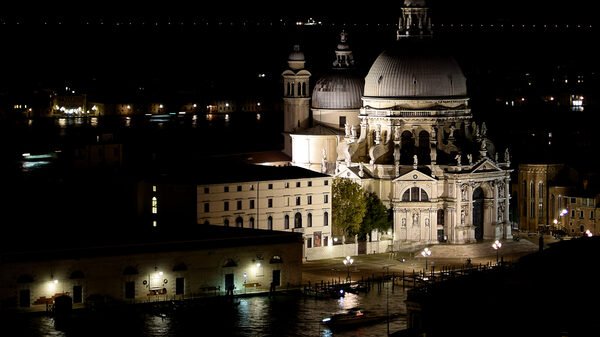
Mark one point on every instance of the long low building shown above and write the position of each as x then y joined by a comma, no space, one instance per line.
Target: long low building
152,266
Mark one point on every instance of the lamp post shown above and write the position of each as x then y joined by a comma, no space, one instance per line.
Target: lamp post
426,252
496,245
348,262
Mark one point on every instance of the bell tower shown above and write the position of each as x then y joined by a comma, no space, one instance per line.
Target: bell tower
296,97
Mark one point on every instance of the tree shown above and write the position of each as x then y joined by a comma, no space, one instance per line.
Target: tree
349,207
376,216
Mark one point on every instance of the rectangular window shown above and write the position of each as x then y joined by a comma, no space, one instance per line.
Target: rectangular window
326,199
298,184
326,182
226,189
239,205
24,298
154,223
206,190
206,207
226,206
270,186
309,199
580,214
287,184
153,188
252,204
573,200
270,203
325,241
309,183
591,214
179,286
297,201
308,242
129,289
239,188
342,120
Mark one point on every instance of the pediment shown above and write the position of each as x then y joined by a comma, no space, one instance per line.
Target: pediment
485,166
414,175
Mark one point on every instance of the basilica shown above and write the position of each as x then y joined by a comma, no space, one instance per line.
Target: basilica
404,131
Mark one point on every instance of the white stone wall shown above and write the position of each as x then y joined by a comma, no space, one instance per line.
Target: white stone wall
103,275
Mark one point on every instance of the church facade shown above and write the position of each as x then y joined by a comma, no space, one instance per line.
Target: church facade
412,140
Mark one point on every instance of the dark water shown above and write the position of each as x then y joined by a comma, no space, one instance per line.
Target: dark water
282,315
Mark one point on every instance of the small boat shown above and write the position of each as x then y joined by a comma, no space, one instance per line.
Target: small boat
352,318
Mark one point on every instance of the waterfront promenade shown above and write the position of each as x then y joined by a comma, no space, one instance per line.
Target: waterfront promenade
442,256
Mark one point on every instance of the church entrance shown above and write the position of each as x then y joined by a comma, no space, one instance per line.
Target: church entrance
478,213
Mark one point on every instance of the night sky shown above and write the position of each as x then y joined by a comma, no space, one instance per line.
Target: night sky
446,10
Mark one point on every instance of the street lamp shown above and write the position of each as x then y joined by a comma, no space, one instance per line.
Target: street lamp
496,245
426,252
348,262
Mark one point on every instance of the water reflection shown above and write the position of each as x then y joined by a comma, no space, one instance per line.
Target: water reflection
281,315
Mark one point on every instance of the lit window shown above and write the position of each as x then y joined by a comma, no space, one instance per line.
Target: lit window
154,205
153,188
154,223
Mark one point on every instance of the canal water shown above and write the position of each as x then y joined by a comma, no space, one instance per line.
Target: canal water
293,315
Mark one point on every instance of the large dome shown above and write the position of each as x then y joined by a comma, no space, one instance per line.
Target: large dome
415,70
338,90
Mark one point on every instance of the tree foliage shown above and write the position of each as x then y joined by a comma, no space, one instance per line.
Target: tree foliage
349,206
376,216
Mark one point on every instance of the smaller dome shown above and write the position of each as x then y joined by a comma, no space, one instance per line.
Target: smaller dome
338,90
296,54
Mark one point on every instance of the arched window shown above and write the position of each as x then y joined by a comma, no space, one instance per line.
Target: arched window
24,278
251,222
130,270
325,219
309,220
286,222
303,88
299,92
230,263
298,220
270,223
407,148
180,267
415,194
239,222
276,259
76,274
